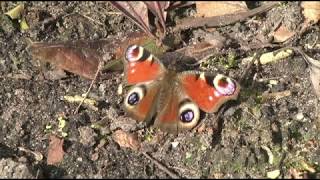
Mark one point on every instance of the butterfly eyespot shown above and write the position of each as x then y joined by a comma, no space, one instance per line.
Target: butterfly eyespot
189,113
134,96
133,99
134,53
224,85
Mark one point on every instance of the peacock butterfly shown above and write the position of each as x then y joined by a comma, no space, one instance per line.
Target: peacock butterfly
172,99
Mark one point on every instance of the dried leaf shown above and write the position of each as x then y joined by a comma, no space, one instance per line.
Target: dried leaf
125,139
136,11
82,57
81,61
314,66
16,12
23,24
55,151
273,174
219,8
282,34
311,10
158,9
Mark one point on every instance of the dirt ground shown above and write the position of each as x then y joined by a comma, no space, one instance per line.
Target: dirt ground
254,137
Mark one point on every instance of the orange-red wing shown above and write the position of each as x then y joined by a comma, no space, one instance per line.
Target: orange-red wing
208,92
141,66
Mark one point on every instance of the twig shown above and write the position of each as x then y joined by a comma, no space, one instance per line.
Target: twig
162,167
217,21
92,82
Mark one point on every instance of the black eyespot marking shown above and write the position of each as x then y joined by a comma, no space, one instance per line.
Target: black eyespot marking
209,80
187,116
145,55
133,98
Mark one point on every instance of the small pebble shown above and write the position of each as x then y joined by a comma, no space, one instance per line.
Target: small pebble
174,144
300,116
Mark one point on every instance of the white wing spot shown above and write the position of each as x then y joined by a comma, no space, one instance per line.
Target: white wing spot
202,76
132,64
150,58
216,93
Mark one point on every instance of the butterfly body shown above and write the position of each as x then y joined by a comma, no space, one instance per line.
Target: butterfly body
174,100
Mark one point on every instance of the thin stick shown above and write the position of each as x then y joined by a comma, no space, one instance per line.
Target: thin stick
162,167
92,82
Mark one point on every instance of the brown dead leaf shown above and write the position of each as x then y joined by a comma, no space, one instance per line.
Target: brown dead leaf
81,61
83,57
314,66
282,34
158,8
136,11
219,8
127,140
311,10
55,150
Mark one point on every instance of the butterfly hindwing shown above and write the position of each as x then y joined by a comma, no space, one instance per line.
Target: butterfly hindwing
140,101
175,110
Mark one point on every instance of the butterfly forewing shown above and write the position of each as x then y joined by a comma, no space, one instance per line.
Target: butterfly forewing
209,92
141,66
